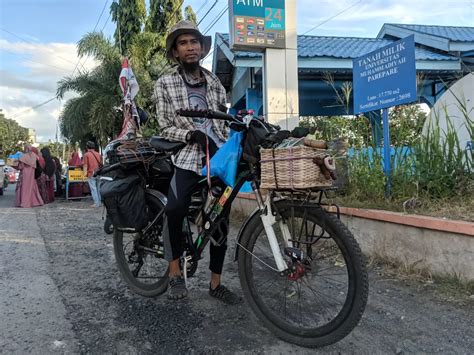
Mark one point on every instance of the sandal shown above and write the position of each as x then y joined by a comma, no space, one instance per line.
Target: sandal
177,288
225,295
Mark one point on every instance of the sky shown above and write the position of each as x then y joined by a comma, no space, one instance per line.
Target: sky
38,40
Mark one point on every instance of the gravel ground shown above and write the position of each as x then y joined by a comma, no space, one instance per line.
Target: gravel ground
60,292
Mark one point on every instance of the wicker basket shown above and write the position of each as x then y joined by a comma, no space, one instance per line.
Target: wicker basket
292,168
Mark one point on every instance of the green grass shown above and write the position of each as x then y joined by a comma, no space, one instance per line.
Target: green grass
437,179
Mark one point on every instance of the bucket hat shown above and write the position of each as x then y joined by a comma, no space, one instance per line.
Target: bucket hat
181,28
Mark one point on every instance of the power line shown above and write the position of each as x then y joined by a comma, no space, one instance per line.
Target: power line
31,108
33,43
207,12
216,20
320,24
53,98
33,61
95,27
332,17
102,30
106,22
202,7
211,52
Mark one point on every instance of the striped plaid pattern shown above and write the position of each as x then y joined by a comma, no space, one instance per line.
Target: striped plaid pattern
171,95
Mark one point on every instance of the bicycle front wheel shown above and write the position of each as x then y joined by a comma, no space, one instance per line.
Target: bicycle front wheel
324,295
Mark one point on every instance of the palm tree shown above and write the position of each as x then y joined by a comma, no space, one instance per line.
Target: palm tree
94,112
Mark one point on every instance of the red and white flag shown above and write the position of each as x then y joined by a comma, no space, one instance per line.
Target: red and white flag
130,88
128,82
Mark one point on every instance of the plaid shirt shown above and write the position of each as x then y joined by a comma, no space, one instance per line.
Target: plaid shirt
170,95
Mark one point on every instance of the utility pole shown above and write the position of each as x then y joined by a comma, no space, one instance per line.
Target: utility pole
280,72
270,28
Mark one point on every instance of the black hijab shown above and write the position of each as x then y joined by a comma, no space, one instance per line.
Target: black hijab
50,166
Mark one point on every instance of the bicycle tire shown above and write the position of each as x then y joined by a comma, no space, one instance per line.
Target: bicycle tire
357,289
147,290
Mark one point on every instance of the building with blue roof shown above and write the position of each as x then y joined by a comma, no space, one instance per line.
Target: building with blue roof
448,39
443,54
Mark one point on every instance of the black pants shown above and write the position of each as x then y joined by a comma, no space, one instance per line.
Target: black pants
182,186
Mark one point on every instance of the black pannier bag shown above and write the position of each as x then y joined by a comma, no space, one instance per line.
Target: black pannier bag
124,199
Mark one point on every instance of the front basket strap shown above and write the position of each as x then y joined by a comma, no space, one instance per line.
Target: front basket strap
274,168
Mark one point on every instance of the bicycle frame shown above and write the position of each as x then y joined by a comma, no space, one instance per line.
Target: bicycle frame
266,214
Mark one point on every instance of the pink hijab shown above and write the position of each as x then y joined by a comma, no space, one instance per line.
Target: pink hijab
40,158
29,158
75,160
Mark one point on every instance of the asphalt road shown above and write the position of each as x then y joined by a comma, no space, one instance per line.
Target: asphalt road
60,292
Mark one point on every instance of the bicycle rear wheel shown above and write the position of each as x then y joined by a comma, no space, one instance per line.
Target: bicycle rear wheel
140,257
324,296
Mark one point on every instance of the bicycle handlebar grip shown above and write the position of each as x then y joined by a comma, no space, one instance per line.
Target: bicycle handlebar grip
217,115
221,116
193,113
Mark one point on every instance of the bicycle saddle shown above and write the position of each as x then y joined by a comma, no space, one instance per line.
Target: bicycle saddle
162,144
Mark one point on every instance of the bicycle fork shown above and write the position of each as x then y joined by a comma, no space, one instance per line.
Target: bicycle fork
269,220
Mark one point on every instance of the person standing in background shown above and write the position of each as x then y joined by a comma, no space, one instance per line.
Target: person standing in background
49,171
91,162
26,191
57,176
40,176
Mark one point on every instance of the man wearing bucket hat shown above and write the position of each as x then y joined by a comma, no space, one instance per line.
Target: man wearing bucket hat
189,86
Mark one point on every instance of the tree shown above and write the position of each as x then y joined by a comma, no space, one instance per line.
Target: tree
129,15
94,114
190,15
406,124
163,15
12,136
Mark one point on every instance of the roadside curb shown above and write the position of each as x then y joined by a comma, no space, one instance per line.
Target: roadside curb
419,221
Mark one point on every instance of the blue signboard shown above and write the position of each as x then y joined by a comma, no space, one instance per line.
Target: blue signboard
257,24
385,77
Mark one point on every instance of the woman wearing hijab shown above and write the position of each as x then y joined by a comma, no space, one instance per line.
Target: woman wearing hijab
40,175
75,160
27,193
49,170
57,175
75,189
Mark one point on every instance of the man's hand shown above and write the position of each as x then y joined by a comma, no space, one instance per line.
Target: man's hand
199,137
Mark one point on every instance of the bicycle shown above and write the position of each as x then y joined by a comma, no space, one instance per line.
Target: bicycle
301,270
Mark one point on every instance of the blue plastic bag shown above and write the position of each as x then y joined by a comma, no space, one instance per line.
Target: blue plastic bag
246,188
226,160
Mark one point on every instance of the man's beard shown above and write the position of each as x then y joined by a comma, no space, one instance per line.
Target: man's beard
190,67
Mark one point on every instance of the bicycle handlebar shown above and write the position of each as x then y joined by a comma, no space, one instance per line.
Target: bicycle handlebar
217,115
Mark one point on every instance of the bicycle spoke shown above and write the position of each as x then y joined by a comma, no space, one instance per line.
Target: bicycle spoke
266,282
317,294
302,226
299,302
